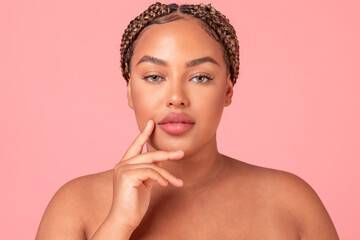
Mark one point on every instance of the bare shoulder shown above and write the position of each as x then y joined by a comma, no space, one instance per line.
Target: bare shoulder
66,213
289,193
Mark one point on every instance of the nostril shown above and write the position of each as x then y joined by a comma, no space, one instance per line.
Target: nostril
182,103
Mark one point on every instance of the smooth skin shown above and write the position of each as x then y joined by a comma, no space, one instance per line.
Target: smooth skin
217,197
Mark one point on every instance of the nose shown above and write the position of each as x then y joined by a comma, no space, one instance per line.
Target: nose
176,95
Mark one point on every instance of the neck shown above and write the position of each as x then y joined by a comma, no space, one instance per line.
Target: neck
198,169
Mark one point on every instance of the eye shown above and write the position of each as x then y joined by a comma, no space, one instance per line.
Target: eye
152,78
201,78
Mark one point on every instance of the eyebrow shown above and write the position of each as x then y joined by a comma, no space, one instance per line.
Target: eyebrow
154,60
198,61
191,63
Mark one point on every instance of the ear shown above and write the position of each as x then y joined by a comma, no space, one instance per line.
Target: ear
229,91
129,97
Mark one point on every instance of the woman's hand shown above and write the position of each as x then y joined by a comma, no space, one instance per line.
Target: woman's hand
134,176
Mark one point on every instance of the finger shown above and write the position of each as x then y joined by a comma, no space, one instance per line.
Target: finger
136,177
163,172
137,146
148,183
159,164
157,156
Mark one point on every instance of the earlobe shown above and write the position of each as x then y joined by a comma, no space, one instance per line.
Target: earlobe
229,92
129,98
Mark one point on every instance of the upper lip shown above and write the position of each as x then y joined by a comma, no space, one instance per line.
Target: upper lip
176,117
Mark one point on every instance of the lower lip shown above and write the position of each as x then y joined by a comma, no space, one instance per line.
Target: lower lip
176,128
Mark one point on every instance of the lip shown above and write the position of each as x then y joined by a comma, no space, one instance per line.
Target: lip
176,123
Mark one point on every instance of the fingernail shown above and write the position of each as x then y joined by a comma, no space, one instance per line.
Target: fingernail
148,124
179,180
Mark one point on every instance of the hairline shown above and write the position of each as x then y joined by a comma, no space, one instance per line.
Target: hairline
175,16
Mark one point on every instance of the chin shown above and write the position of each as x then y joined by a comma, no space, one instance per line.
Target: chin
168,145
187,143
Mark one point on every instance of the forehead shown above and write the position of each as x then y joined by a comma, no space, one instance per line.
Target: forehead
180,40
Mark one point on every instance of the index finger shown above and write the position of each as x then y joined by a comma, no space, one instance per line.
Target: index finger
138,144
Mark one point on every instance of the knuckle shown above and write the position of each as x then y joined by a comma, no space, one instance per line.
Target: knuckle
160,170
118,167
149,171
124,175
152,173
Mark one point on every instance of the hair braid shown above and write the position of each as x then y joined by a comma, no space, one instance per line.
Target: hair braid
134,28
215,23
223,29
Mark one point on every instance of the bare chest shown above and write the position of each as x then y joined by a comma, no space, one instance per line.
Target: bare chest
213,217
227,212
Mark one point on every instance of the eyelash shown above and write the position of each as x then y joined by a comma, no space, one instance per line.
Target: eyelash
206,76
149,76
203,75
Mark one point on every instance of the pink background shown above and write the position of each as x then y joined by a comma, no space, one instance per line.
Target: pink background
63,110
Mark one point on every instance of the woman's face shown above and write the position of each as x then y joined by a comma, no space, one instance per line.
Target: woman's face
177,67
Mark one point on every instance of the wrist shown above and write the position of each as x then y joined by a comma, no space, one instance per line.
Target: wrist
112,230
119,226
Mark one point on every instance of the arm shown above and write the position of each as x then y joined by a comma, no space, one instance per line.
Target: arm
62,217
314,221
133,178
132,181
110,231
65,214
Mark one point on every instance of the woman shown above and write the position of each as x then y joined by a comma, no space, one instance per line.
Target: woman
181,64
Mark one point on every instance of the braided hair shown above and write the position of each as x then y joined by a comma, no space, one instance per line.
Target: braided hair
213,22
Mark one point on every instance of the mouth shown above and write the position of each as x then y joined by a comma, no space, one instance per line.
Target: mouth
176,123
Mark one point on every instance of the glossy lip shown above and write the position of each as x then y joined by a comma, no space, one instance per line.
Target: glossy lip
176,123
176,117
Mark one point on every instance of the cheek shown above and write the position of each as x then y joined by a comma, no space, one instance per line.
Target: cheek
144,104
209,102
209,106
